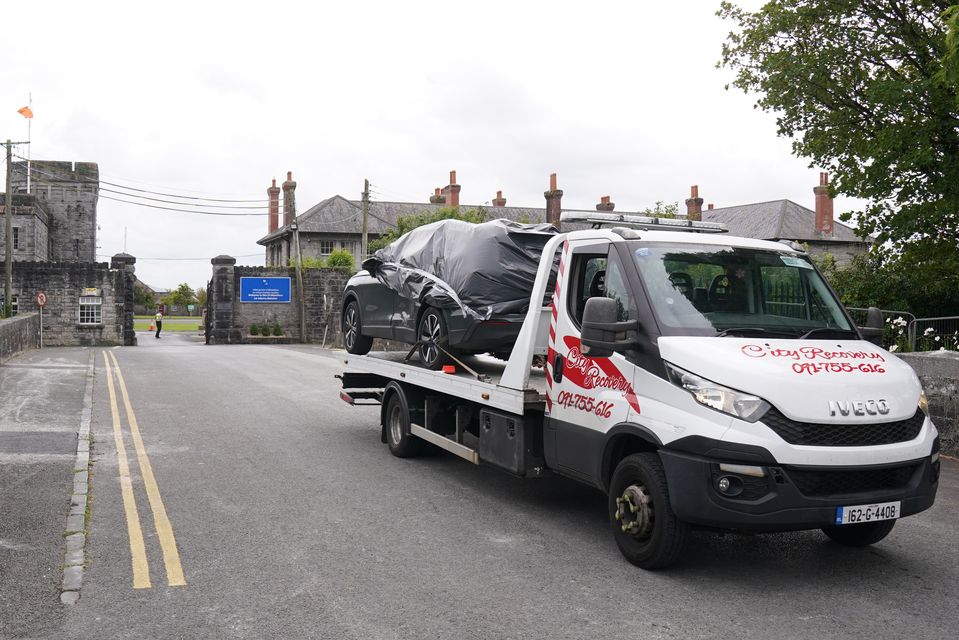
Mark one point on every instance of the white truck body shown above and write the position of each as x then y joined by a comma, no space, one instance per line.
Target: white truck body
841,426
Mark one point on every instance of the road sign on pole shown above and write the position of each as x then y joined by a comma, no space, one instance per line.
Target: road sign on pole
41,302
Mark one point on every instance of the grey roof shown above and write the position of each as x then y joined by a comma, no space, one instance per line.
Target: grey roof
339,215
773,220
778,220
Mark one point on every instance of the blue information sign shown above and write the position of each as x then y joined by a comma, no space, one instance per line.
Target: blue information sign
264,289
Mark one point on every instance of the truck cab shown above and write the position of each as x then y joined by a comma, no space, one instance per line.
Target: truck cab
706,380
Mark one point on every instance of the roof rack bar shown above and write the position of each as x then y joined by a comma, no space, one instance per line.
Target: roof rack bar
642,222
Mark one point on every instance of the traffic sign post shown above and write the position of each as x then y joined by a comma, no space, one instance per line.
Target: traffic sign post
41,302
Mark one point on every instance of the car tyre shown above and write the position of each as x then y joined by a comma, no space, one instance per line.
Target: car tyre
353,338
860,535
645,528
434,339
401,442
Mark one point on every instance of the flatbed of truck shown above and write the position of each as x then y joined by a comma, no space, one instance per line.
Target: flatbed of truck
484,389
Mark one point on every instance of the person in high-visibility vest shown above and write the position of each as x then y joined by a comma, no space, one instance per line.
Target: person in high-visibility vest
159,321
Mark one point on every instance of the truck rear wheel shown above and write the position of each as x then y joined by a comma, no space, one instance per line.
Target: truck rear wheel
645,528
401,442
860,535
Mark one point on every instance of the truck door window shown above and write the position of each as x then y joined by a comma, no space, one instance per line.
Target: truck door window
587,280
616,287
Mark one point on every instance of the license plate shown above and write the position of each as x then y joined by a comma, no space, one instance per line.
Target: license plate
867,513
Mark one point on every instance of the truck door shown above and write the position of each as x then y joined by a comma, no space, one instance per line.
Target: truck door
587,396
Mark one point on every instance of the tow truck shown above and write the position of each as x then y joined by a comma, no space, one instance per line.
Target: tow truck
698,379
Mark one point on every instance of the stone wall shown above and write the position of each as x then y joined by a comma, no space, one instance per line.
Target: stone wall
18,334
64,284
939,373
230,320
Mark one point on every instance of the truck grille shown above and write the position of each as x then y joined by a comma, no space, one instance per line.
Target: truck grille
843,435
818,482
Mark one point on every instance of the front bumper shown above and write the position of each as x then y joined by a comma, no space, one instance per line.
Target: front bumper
790,498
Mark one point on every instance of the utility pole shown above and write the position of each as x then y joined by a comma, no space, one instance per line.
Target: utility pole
8,234
8,238
364,247
299,279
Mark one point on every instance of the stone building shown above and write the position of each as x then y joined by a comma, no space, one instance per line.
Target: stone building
337,222
54,251
57,219
785,220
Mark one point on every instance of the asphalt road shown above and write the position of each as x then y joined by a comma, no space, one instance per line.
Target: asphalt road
291,520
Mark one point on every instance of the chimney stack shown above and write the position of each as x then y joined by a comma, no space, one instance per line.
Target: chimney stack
289,199
499,200
554,199
452,192
605,205
273,193
437,197
694,204
709,206
824,214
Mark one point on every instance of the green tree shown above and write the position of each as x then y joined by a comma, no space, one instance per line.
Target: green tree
407,223
180,297
662,210
143,296
200,293
862,87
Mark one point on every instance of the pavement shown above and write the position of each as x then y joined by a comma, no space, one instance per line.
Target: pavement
288,518
41,401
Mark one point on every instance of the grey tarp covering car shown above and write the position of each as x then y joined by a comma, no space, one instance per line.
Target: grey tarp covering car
485,269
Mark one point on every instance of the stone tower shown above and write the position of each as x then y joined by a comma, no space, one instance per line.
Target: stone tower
69,191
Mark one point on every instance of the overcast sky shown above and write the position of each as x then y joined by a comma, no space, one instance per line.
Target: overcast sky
215,99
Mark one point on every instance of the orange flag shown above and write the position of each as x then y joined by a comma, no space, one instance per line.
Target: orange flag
26,112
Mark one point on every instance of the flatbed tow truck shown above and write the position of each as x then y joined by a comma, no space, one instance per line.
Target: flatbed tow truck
672,372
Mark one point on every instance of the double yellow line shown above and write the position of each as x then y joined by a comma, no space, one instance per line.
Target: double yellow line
171,557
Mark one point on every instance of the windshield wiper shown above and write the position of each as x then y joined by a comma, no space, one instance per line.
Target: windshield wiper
831,330
748,330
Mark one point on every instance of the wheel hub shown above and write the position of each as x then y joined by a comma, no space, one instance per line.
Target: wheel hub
350,327
634,510
396,424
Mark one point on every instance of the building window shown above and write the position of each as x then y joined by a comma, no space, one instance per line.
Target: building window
16,237
90,310
14,304
326,247
76,247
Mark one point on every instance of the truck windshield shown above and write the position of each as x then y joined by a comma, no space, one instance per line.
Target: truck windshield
723,290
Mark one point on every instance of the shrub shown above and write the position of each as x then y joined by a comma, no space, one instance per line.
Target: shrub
254,329
277,330
340,259
307,262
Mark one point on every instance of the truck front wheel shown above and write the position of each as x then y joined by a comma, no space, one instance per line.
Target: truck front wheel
645,528
860,535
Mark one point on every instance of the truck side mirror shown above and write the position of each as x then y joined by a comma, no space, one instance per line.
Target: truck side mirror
874,326
602,334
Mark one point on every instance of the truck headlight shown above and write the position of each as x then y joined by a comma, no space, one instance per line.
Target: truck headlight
924,402
741,405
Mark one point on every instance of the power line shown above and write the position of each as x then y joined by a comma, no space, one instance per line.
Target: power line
36,169
191,211
243,255
195,204
194,211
